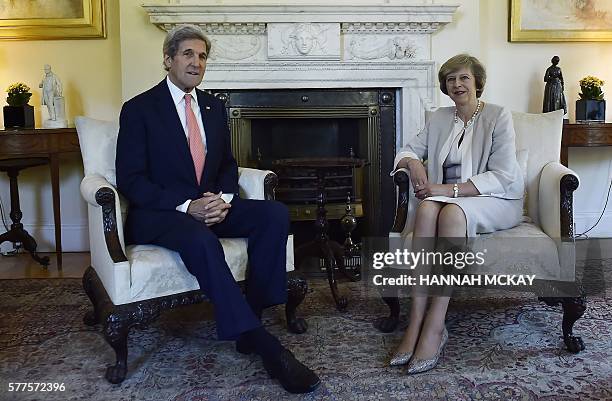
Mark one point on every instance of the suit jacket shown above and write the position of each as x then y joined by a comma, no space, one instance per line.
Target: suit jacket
490,163
493,168
154,166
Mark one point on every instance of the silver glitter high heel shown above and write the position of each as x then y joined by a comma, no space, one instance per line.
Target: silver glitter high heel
400,359
422,365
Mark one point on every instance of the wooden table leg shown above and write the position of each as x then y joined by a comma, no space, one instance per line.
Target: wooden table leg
55,190
564,156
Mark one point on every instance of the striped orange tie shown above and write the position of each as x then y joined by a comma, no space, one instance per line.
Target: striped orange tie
194,138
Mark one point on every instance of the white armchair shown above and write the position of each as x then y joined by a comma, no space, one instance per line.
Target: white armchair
548,220
130,285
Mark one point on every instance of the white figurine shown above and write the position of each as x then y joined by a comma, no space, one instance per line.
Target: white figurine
53,99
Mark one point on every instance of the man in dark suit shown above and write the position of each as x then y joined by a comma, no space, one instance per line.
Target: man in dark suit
175,166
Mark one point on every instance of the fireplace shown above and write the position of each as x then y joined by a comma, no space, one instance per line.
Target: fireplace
287,68
272,125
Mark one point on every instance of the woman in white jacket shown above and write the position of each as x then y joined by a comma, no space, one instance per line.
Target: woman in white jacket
472,184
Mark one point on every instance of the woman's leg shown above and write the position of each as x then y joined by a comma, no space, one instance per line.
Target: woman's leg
451,224
425,226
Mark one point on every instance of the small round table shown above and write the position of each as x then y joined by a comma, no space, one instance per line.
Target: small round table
321,246
17,233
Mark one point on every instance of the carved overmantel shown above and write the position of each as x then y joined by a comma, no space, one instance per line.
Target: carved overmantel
318,45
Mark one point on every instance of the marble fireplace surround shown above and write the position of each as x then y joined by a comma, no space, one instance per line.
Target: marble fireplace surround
259,45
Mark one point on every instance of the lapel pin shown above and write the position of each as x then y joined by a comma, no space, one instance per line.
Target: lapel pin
207,107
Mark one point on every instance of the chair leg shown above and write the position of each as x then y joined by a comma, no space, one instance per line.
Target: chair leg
116,331
389,323
116,320
297,288
573,309
92,317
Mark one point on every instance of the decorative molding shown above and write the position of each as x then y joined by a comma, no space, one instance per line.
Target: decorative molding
212,11
396,48
220,28
426,27
234,48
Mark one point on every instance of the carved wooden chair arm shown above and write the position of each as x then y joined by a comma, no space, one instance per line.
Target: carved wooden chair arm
98,192
402,180
556,194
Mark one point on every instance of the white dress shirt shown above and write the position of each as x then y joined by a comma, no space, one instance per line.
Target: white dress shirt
178,97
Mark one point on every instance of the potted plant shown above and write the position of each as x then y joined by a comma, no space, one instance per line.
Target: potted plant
18,114
591,106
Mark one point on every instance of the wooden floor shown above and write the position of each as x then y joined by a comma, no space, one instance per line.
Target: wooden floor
23,266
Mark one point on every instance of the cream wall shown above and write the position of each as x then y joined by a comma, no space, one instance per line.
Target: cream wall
141,49
516,79
90,71
98,74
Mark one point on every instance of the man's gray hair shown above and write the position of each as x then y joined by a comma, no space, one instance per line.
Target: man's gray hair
179,34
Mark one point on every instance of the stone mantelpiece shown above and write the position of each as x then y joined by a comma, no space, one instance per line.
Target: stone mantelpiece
325,45
212,11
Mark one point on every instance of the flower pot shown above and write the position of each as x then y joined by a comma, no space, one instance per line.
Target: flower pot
19,116
591,110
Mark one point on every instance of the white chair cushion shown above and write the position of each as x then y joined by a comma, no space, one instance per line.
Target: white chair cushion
98,142
157,271
524,249
541,134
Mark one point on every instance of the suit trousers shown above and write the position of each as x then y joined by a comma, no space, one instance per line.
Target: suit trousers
264,223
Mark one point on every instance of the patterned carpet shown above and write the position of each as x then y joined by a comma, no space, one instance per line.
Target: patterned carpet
499,349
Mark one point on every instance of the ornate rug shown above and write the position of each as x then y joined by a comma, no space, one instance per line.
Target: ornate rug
507,348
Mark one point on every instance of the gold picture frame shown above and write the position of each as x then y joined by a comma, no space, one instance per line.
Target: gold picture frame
534,21
52,19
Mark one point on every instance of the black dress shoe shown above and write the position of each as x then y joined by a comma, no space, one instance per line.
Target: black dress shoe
243,347
291,373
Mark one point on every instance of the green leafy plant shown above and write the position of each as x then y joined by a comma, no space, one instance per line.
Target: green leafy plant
591,88
18,94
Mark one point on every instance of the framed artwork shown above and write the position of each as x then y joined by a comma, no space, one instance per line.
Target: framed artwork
560,21
52,19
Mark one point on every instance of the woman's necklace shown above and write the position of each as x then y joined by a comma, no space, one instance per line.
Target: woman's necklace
471,120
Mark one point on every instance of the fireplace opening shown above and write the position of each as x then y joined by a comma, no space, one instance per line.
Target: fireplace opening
269,126
309,137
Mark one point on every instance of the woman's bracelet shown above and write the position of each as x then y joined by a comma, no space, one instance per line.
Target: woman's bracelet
455,190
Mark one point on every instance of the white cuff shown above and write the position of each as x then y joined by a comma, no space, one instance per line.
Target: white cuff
183,208
227,198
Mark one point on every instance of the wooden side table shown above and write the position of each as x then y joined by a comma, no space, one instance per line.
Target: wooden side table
17,233
584,135
47,143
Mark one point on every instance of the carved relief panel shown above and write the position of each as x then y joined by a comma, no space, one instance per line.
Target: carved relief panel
303,41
